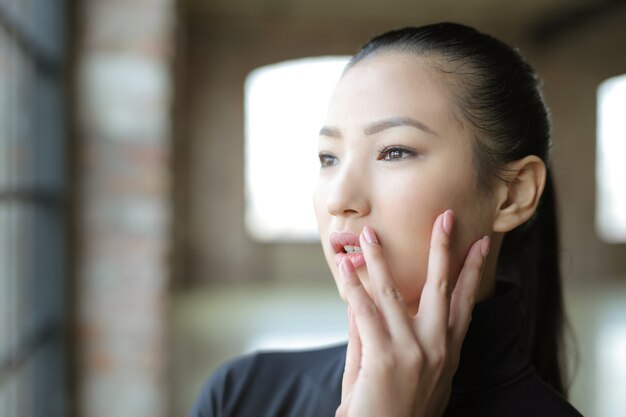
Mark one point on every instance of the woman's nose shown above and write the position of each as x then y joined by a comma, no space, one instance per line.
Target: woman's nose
348,195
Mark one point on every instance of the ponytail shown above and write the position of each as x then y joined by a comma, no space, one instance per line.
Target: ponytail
530,257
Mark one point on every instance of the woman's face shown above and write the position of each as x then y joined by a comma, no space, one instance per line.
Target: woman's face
394,157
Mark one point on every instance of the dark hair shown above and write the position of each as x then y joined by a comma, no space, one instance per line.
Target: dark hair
498,93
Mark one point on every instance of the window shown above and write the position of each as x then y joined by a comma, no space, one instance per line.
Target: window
32,362
285,106
610,166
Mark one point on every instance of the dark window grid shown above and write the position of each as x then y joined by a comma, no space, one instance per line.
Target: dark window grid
31,118
32,291
34,295
36,29
15,165
32,321
17,136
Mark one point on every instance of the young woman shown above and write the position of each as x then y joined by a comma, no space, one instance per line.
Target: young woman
434,192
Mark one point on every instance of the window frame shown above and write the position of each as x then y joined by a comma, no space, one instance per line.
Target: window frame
33,195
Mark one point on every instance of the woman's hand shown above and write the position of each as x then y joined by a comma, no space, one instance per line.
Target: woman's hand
397,365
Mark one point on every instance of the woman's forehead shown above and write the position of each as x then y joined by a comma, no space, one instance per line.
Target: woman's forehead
391,85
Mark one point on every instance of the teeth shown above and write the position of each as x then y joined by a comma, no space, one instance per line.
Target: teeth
352,249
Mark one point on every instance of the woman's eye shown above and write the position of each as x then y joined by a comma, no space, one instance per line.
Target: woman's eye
396,152
328,160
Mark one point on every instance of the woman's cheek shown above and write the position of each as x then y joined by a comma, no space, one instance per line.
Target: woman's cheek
406,252
472,222
408,224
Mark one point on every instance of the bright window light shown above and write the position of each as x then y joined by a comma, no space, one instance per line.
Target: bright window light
285,106
610,166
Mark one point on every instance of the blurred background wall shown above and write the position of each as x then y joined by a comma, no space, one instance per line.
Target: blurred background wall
158,281
124,55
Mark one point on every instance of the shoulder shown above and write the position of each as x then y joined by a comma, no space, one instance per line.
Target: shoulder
254,381
542,400
317,366
527,397
310,362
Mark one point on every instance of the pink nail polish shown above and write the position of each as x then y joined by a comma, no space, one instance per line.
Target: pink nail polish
448,221
370,236
485,245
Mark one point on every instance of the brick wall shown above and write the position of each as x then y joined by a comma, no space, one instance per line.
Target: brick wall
123,99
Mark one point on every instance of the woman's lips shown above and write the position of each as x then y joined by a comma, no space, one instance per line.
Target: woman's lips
339,241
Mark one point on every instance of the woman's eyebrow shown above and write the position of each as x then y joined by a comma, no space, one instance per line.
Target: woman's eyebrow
331,132
379,126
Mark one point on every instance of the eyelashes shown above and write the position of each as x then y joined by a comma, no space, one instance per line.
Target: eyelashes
388,154
391,153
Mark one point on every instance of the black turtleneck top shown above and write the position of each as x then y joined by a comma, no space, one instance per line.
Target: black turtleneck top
494,378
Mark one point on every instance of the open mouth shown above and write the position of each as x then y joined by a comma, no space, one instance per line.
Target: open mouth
347,244
352,249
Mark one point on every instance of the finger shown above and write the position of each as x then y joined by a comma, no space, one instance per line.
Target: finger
464,294
353,357
371,330
434,308
388,297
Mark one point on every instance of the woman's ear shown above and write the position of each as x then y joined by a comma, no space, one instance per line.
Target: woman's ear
519,195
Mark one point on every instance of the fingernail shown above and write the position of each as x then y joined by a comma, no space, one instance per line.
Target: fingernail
485,245
347,266
370,236
448,220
